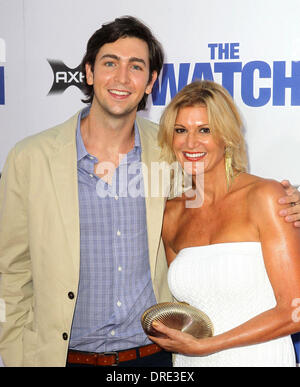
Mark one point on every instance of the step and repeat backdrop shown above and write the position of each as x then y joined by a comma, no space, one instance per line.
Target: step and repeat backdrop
250,47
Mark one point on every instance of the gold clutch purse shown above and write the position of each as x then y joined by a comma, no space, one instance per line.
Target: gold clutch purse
177,315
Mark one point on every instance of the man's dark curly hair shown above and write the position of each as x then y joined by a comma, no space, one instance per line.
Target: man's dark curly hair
126,26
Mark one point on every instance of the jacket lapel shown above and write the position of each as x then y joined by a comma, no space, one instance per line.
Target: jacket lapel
155,193
63,165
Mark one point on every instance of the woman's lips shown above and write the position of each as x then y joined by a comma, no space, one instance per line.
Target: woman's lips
194,156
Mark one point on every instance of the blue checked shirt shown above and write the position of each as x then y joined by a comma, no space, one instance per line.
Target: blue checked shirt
115,285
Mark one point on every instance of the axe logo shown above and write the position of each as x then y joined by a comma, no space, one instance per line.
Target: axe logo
64,77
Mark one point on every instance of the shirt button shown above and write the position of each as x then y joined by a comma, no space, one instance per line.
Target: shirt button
119,303
91,175
118,232
112,333
91,157
65,336
116,197
71,295
120,268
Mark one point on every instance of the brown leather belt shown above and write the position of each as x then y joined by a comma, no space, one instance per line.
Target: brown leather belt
111,358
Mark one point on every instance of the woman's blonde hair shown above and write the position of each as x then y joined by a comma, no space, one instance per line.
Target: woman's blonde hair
223,118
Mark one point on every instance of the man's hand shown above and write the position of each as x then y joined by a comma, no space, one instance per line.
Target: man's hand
292,213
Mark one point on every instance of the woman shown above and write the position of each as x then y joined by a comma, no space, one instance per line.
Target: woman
232,257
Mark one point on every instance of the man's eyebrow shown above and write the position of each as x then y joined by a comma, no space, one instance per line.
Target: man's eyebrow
134,59
116,57
111,56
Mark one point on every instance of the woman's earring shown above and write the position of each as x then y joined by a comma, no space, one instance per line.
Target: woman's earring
228,167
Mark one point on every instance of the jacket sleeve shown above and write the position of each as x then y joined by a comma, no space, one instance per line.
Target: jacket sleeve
16,289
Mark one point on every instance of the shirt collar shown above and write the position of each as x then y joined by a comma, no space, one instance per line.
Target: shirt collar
81,150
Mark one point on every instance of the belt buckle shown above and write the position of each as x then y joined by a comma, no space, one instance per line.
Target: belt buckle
116,354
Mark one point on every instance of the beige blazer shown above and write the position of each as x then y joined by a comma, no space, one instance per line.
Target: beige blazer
40,245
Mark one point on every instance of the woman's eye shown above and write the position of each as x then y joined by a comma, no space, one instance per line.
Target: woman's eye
179,130
205,130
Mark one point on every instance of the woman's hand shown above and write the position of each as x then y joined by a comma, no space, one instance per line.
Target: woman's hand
179,342
292,213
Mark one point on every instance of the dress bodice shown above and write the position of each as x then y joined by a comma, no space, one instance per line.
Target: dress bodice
229,282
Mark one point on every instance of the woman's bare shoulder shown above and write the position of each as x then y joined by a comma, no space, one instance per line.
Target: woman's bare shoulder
262,188
263,195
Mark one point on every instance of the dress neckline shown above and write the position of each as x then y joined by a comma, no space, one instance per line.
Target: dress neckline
217,245
221,244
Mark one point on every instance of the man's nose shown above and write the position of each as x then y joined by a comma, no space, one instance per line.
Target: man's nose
122,74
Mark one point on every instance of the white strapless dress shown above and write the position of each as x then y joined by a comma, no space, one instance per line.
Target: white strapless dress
228,281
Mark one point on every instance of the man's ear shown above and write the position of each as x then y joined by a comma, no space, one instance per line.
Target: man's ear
89,74
151,83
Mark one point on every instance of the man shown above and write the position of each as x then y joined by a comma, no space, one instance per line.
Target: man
78,267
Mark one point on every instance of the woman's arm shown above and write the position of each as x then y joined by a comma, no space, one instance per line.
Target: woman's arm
281,252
